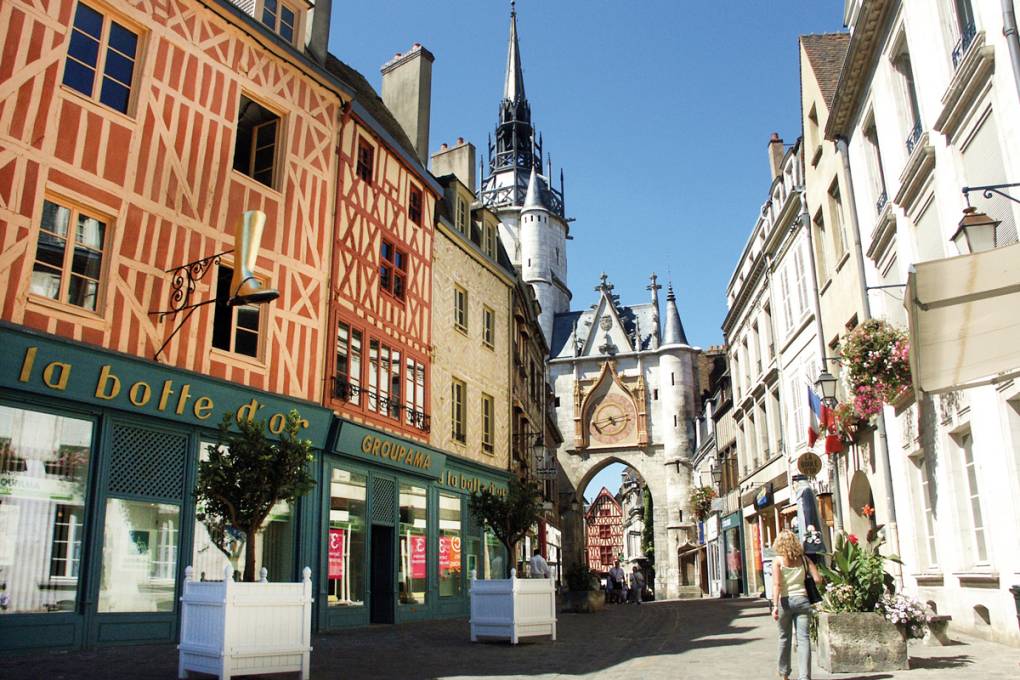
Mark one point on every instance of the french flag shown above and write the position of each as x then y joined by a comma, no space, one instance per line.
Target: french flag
822,421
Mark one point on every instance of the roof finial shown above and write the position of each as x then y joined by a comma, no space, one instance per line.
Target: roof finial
514,85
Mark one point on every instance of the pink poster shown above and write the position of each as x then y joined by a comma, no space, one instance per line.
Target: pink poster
417,556
336,553
449,553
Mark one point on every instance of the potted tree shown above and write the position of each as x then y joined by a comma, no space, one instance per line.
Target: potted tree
853,633
511,607
223,629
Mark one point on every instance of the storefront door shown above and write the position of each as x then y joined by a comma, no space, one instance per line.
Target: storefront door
382,604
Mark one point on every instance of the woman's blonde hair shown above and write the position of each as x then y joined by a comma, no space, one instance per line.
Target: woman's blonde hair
787,546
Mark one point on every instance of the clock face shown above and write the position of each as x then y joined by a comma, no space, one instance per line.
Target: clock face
613,420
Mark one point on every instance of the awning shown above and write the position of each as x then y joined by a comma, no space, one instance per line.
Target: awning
964,317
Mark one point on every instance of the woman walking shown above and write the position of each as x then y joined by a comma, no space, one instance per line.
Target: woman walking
790,604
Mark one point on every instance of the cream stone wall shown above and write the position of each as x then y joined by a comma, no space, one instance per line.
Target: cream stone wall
462,355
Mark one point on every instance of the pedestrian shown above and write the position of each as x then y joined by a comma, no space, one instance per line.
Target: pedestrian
617,579
637,584
790,605
539,567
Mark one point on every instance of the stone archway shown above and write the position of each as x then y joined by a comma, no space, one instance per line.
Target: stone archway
668,484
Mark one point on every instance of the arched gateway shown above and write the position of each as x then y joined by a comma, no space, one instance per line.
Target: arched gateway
625,392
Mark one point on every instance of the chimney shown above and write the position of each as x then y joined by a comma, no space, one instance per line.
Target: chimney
776,154
458,160
407,93
318,33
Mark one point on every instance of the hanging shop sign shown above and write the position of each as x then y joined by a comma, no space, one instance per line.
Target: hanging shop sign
763,497
809,464
91,376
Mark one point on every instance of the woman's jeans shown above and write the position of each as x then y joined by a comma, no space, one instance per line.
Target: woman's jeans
795,610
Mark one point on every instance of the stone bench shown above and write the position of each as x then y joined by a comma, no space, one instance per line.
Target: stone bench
937,634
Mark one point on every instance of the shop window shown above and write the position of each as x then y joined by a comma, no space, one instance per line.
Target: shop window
450,582
488,424
460,309
68,266
366,160
215,548
494,559
413,569
348,363
458,410
139,556
393,270
41,527
101,45
488,327
256,146
235,328
414,204
280,18
345,542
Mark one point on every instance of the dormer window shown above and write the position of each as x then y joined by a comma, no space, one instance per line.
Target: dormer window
414,205
280,18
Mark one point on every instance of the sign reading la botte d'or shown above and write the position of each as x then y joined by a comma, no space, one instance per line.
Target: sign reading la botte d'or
92,376
408,456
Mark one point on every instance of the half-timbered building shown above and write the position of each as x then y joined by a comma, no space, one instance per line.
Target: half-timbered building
603,526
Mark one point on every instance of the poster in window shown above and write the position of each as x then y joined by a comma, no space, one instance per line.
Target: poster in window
417,557
449,553
336,553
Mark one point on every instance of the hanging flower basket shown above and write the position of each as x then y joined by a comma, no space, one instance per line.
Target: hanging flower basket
847,422
701,501
876,360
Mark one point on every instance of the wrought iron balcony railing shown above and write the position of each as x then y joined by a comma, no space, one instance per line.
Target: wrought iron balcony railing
883,198
394,408
966,38
914,138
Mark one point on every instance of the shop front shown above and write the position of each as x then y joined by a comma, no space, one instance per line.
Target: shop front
733,555
715,555
767,511
398,540
98,456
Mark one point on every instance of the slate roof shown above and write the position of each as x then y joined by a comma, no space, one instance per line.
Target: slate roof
563,325
826,52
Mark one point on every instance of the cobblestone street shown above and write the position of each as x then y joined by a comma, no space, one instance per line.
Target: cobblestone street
694,640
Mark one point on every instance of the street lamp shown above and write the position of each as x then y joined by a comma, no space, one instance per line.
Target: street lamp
716,474
826,384
976,232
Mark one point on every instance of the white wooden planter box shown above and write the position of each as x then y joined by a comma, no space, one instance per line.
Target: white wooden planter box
230,629
513,608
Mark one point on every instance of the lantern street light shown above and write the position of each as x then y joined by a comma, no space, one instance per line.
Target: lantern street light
826,385
976,232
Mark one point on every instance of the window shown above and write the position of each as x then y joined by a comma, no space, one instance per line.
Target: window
235,328
139,556
257,141
348,363
366,158
836,213
414,205
908,97
413,570
384,380
926,482
605,531
488,327
963,16
461,219
68,268
41,514
414,394
450,581
457,410
819,243
489,240
973,498
460,309
280,18
393,270
345,542
100,45
874,158
488,423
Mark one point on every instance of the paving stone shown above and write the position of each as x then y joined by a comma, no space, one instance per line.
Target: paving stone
693,640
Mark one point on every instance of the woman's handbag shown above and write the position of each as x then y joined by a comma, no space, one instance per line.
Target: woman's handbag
813,596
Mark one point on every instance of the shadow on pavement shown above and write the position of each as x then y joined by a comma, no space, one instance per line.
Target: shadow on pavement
958,661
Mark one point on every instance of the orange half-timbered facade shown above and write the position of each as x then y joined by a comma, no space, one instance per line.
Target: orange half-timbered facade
603,523
379,373
133,135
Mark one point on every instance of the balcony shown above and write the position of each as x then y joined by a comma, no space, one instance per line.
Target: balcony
966,38
914,137
883,198
394,408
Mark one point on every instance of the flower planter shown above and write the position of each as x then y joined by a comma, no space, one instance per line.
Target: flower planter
230,628
585,601
860,641
513,608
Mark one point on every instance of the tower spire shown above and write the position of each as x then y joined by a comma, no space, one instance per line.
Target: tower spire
514,85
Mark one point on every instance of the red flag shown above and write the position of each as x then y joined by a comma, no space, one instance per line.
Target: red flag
833,444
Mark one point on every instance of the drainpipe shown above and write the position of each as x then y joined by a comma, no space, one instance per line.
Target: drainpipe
1009,30
882,439
805,221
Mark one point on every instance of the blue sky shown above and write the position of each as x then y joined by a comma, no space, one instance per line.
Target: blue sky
659,111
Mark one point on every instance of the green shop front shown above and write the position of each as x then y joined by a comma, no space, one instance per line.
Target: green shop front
98,456
397,540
